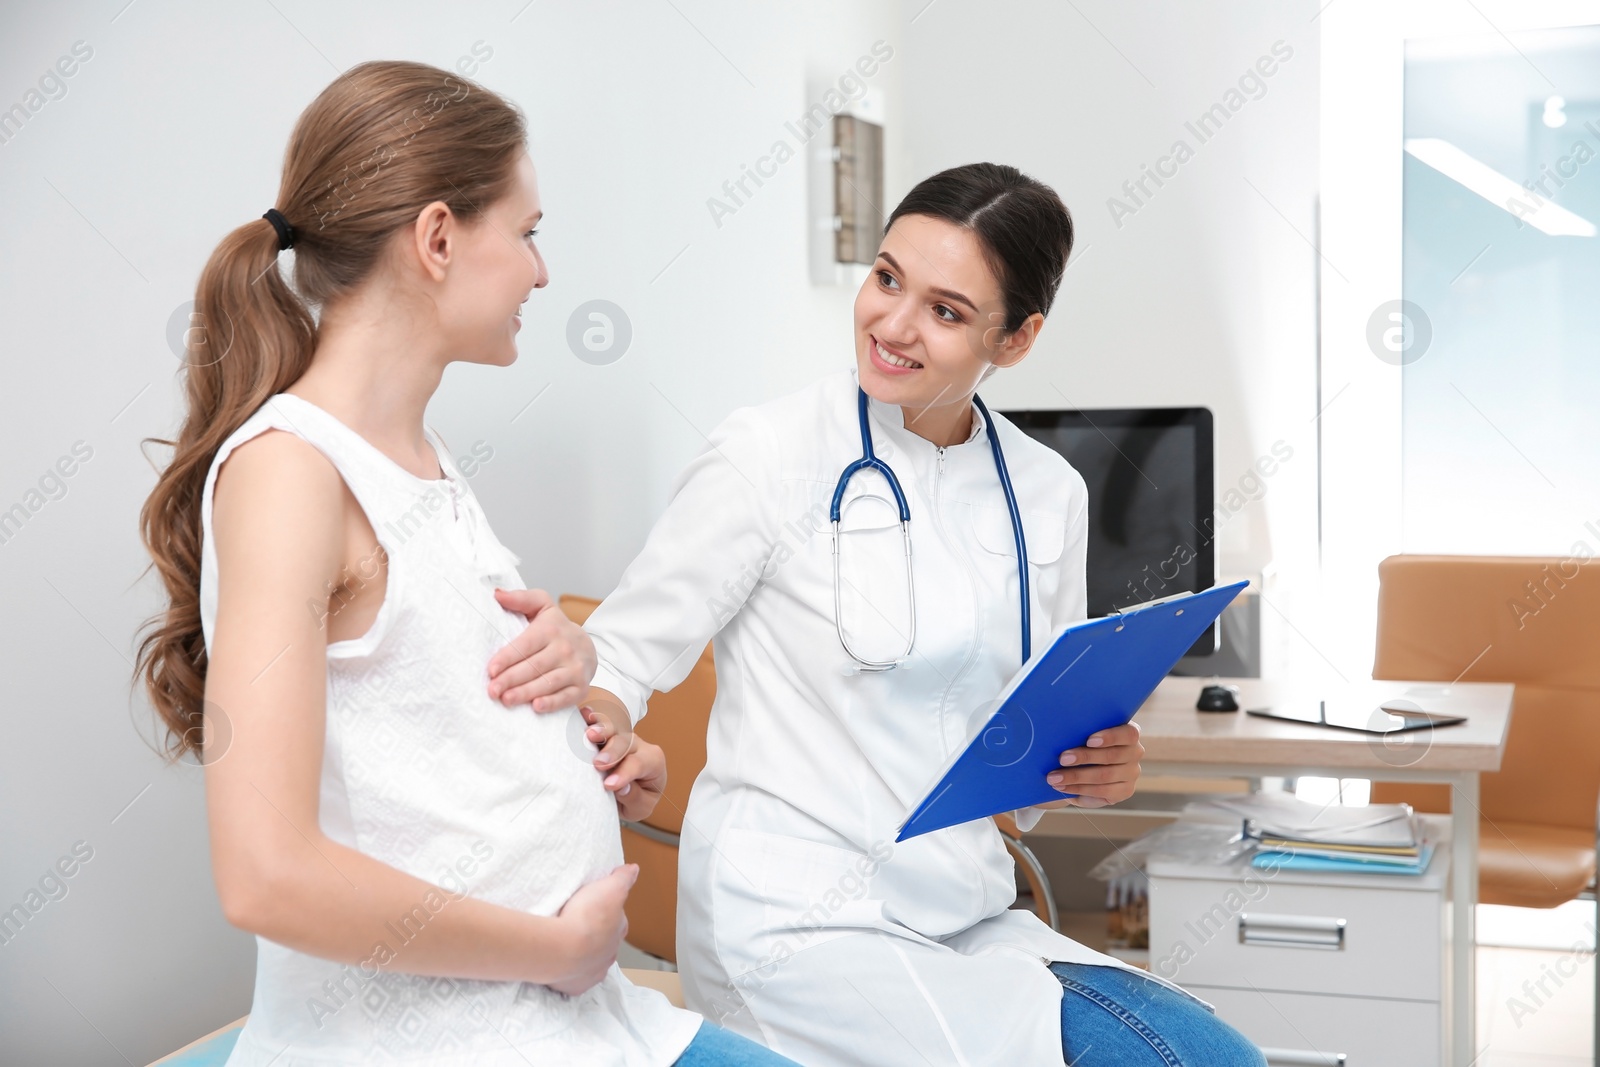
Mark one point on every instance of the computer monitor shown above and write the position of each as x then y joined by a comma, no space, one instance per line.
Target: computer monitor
1151,500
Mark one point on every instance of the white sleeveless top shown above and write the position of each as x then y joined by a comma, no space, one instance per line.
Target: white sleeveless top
424,771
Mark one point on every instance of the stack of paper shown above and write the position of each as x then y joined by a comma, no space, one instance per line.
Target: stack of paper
1378,838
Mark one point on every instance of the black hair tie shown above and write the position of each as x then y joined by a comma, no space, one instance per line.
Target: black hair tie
281,224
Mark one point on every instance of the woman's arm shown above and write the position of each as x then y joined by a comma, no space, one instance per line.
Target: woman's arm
280,518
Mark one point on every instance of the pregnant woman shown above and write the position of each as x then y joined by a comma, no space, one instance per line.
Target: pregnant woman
433,879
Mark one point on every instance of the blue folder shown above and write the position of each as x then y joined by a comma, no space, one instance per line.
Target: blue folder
1095,675
1272,859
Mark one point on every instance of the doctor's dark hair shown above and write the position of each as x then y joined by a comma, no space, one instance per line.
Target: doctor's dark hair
1024,228
381,142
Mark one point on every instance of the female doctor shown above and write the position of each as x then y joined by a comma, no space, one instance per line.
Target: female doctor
854,654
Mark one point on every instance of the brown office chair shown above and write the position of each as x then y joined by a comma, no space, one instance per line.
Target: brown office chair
1534,622
677,721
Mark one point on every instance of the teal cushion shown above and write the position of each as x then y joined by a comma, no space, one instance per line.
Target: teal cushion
213,1052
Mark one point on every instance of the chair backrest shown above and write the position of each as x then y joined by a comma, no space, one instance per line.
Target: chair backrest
1533,621
677,721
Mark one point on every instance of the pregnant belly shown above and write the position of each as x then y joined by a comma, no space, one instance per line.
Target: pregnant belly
498,803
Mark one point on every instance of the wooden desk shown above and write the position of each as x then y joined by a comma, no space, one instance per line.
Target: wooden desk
1181,741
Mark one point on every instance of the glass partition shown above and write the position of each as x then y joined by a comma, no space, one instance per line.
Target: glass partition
1498,335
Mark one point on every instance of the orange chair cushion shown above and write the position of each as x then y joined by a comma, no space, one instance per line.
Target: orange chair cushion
1527,865
1524,864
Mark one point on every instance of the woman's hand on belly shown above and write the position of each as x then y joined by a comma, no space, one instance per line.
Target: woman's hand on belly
1103,772
594,925
549,664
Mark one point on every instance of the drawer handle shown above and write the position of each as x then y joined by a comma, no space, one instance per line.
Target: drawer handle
1292,931
1291,1057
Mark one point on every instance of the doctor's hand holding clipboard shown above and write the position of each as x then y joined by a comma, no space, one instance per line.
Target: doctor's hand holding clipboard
873,557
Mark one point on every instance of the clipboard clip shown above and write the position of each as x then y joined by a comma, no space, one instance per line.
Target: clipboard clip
1131,608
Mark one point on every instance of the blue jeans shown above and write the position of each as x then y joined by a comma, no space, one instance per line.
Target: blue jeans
715,1047
1113,1016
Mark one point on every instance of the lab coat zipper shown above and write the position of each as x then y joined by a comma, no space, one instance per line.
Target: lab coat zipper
972,585
972,652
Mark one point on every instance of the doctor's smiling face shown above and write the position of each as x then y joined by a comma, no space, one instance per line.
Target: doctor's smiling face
968,268
930,325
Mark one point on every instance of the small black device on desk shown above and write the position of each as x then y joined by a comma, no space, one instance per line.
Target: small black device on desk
1217,698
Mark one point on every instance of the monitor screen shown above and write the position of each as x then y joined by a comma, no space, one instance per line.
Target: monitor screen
1149,473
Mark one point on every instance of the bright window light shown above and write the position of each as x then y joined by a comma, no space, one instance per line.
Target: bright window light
1347,792
1537,211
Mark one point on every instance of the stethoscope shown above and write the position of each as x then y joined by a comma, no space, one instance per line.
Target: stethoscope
870,461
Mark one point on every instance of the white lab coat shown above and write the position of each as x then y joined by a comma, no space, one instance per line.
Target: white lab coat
800,922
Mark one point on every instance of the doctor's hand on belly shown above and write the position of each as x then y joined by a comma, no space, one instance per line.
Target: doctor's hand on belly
1102,772
550,663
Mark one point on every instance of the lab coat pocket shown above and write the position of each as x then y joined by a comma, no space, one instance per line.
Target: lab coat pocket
873,589
1044,533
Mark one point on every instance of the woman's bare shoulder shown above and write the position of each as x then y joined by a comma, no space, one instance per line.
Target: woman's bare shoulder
279,485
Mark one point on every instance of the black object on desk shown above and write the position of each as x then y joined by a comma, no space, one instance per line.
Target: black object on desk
1216,698
1393,716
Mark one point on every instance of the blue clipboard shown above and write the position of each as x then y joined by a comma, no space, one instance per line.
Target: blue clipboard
1095,675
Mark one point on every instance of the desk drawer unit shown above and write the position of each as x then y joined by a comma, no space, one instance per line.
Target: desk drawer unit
1311,939
1310,965
1309,1030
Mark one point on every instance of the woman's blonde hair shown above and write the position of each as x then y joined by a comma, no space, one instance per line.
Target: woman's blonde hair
380,143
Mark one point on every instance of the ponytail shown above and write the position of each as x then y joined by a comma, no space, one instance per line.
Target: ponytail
249,337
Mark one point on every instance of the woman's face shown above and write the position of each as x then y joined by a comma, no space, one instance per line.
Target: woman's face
929,317
500,266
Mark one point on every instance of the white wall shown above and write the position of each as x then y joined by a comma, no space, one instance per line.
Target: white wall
171,134
633,135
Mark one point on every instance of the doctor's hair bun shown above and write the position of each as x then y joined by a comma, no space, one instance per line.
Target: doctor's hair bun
1024,228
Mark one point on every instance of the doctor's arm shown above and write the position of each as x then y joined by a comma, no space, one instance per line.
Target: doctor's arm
1105,770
